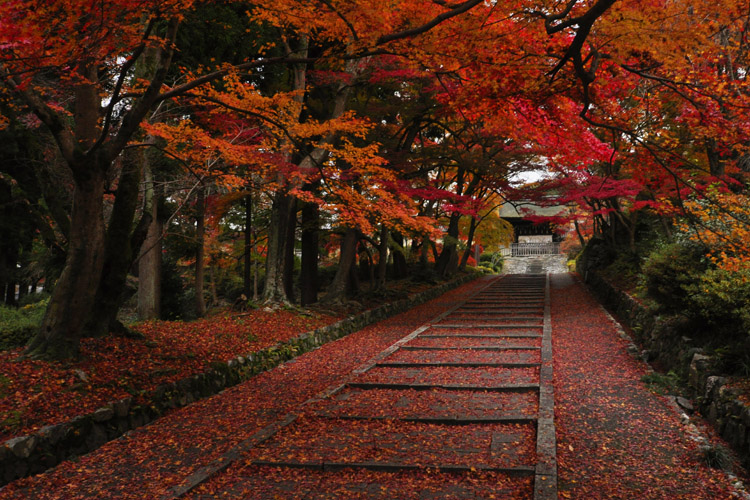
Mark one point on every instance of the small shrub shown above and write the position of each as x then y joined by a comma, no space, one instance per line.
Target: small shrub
716,456
662,383
722,298
18,325
33,298
733,359
669,271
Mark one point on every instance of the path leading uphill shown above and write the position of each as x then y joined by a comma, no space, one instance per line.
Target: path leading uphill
460,408
451,400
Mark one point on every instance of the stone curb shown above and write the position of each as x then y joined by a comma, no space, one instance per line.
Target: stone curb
32,454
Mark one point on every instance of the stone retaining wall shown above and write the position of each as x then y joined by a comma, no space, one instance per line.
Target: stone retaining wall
27,455
666,341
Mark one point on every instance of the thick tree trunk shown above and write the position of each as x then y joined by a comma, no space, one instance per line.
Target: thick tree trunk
200,232
448,261
120,247
74,295
337,290
149,261
308,278
274,291
400,268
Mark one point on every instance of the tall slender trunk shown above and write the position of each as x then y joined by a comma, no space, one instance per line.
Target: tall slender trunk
274,290
382,257
291,231
149,261
308,279
469,244
200,232
581,239
248,247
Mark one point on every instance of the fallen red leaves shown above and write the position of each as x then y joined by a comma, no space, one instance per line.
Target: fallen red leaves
314,440
264,483
34,393
465,356
162,454
464,342
482,377
379,403
616,440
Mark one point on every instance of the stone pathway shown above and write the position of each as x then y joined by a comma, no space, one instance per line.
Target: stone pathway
460,408
466,398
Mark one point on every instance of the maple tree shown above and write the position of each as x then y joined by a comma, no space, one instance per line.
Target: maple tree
51,56
349,103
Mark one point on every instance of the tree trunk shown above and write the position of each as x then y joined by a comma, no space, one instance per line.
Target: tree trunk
337,289
382,257
308,278
149,261
469,242
274,291
291,229
400,268
248,247
73,297
119,253
448,261
200,233
715,163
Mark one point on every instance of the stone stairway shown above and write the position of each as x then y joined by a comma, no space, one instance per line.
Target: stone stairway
460,408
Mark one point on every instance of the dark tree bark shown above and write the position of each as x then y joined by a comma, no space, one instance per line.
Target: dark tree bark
469,244
72,301
247,285
400,268
89,148
382,257
291,230
149,261
448,261
120,249
337,290
200,232
308,279
715,163
282,212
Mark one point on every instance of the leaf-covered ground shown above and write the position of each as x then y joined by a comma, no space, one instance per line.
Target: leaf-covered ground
34,393
439,403
152,459
615,439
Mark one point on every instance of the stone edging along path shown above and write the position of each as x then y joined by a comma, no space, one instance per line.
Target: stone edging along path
670,345
34,453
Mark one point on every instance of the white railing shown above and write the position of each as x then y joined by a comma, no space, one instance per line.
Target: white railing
527,249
